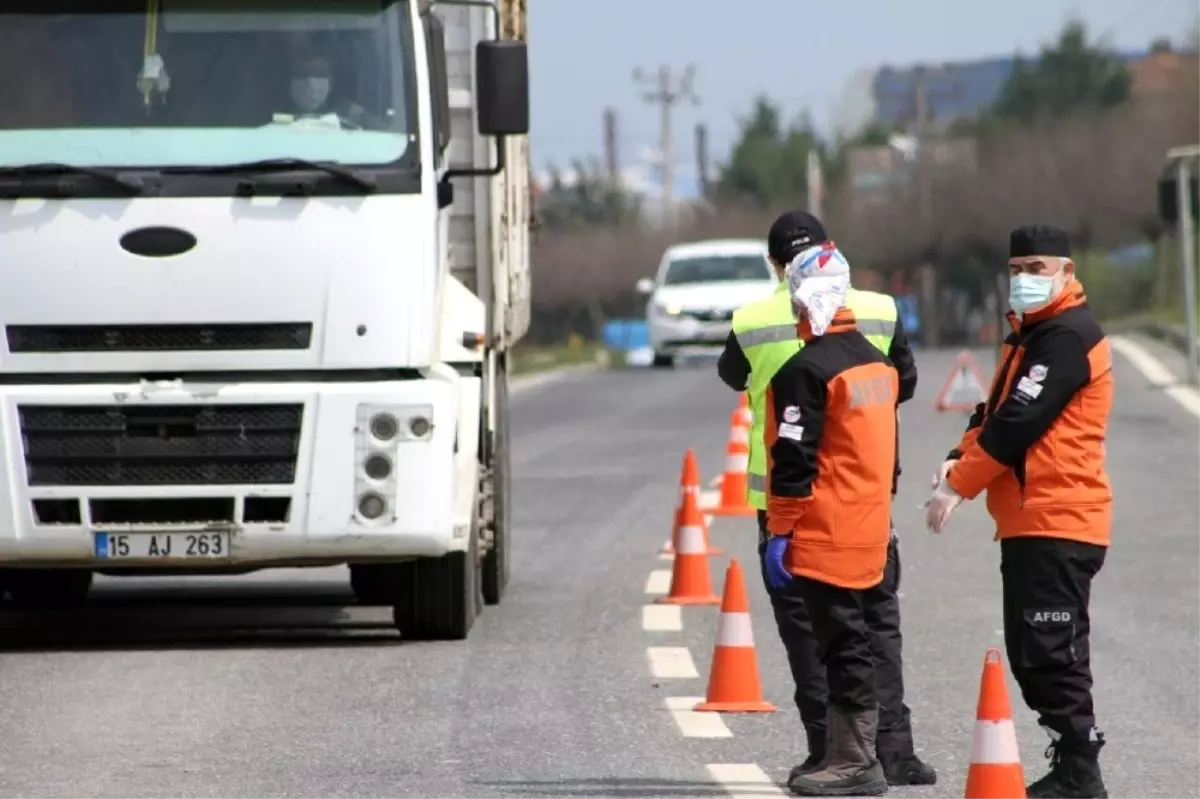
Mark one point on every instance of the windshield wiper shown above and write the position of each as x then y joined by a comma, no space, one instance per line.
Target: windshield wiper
345,174
131,183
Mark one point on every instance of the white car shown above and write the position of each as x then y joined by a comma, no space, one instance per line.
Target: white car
696,290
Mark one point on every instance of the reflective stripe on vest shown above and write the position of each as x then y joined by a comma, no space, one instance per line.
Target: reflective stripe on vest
766,332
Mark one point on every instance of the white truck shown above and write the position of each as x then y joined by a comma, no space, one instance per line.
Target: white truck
263,263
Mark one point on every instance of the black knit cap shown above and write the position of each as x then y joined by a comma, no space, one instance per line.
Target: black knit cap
1029,240
792,233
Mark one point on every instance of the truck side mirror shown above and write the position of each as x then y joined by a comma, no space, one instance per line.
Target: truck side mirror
645,286
502,87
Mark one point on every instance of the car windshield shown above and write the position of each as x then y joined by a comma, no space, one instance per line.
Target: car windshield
717,269
162,83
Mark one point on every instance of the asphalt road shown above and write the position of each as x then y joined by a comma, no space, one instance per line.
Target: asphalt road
554,695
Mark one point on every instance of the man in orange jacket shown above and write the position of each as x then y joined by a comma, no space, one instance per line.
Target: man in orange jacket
831,448
1037,447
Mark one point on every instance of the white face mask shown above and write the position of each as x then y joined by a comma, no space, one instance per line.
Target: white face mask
310,93
1030,292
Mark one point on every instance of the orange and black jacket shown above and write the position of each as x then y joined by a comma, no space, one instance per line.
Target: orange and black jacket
832,454
1037,444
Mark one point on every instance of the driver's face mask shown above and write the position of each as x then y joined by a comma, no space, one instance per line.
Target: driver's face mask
310,93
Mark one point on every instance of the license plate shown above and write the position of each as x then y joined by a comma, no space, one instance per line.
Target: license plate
162,546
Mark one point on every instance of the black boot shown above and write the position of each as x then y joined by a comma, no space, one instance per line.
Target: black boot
850,767
816,751
908,770
1074,772
900,763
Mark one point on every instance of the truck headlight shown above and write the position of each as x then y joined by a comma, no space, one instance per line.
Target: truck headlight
378,467
381,433
371,506
384,426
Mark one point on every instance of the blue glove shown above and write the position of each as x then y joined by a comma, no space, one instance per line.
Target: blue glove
777,574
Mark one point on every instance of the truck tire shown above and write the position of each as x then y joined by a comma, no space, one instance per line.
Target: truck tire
439,598
496,562
662,361
49,589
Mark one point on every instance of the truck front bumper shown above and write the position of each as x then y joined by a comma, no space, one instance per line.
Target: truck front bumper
280,468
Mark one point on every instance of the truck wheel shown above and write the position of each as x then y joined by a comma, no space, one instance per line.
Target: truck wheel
662,361
438,599
496,563
49,589
373,584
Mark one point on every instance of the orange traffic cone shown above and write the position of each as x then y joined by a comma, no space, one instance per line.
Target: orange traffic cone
995,771
734,484
743,407
689,480
690,582
733,683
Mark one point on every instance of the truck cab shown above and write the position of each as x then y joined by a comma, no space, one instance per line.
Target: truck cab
240,327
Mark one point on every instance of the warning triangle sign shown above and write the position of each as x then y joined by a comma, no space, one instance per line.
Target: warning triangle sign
963,389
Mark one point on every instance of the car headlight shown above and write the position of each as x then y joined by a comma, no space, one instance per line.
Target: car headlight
669,308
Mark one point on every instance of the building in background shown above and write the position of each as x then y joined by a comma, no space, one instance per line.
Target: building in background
960,89
1163,72
855,107
879,175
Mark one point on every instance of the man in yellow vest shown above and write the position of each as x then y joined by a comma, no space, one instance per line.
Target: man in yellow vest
762,340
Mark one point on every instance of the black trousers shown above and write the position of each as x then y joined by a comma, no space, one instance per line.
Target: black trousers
881,610
1047,587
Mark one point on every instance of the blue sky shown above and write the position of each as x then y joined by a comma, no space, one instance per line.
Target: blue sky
801,53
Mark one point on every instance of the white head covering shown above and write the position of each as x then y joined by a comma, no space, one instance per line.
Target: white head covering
818,279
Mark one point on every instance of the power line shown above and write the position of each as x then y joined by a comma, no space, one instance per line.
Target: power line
666,91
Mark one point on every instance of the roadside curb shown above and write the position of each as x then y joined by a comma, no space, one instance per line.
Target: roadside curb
1172,335
523,383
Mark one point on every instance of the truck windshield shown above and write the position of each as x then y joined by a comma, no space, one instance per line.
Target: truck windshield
717,269
176,83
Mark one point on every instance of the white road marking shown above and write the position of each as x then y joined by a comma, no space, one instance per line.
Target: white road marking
1158,375
693,724
743,779
708,499
716,481
662,618
659,581
666,556
671,662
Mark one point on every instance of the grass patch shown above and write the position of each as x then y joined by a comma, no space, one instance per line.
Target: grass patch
529,359
1164,316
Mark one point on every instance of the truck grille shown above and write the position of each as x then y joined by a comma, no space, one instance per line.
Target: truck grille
88,445
158,338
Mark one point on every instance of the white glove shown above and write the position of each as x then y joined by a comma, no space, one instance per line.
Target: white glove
939,506
939,476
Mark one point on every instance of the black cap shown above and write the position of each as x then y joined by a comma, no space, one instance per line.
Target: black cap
792,233
1029,240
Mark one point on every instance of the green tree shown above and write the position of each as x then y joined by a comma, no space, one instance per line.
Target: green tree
588,199
1070,76
768,163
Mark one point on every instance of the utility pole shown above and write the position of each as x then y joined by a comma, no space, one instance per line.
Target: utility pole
919,103
702,159
816,183
665,92
1183,159
611,162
